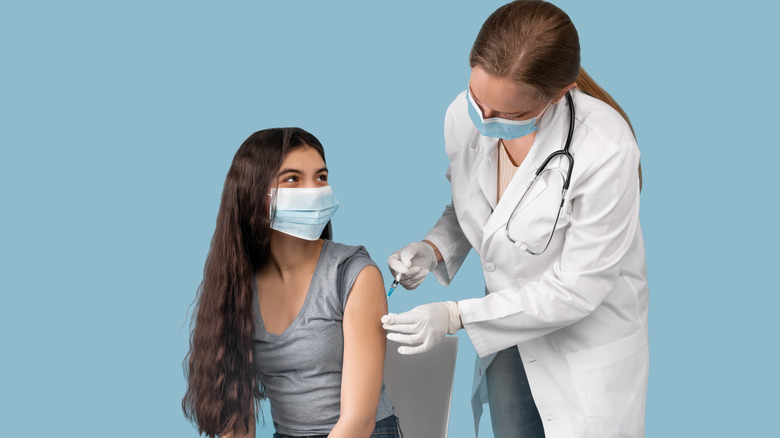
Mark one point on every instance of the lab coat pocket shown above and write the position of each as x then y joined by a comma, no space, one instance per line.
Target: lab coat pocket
611,382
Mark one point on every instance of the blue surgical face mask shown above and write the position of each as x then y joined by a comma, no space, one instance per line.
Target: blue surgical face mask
497,127
303,212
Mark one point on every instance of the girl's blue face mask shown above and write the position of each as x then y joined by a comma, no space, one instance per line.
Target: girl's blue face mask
303,212
498,127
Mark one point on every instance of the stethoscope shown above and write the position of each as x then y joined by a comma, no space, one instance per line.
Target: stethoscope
566,179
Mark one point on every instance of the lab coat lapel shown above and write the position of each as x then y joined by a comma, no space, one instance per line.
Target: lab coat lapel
487,170
549,138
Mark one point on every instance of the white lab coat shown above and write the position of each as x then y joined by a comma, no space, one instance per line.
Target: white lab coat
578,312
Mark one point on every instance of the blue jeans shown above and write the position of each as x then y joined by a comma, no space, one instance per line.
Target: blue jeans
385,428
513,412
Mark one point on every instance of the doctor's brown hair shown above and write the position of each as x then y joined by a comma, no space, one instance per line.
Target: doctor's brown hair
534,43
223,391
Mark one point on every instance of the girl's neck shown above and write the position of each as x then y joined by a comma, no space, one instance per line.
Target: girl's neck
290,254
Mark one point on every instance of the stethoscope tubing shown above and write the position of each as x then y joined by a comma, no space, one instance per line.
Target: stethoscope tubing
563,152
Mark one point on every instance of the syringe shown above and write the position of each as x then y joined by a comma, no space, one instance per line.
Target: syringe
394,285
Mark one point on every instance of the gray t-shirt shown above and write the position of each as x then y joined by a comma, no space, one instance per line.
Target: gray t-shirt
301,367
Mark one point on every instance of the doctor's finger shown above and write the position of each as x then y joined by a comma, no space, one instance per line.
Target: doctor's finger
408,253
402,318
396,265
411,276
393,320
402,328
412,339
410,282
422,348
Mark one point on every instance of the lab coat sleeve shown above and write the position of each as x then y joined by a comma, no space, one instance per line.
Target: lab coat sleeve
603,225
452,244
447,234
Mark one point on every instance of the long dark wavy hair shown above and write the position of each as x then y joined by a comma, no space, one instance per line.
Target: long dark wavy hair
223,390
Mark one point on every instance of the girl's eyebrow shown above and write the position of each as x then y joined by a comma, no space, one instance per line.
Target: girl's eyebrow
298,172
283,171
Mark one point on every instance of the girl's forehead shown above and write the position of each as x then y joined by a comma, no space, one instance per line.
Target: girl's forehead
303,155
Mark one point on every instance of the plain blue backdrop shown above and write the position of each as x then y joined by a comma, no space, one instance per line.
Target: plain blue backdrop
119,120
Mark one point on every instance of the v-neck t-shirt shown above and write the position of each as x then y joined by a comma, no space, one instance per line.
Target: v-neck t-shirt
300,368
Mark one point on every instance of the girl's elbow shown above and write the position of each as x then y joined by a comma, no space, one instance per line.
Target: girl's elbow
360,425
368,427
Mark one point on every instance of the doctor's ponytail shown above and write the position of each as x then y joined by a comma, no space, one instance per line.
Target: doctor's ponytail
586,84
536,44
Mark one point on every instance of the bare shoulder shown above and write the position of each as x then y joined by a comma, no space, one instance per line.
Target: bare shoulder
368,291
368,277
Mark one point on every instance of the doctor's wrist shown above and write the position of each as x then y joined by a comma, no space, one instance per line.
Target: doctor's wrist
437,254
454,322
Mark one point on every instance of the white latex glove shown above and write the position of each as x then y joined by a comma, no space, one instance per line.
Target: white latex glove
413,262
422,327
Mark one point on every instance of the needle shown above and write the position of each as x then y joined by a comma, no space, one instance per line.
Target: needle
394,285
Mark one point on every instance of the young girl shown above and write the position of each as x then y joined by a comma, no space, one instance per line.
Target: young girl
283,311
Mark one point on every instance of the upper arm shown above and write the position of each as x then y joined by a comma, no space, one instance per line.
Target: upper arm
364,346
605,215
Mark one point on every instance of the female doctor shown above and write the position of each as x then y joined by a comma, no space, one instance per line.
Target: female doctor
545,178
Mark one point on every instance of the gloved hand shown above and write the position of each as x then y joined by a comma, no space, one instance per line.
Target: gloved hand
423,326
413,262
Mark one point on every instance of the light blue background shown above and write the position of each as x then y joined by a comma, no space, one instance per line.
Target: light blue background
118,122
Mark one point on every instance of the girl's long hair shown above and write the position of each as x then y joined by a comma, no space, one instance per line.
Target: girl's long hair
536,44
223,391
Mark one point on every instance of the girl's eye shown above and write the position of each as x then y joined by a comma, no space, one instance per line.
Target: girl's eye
322,177
290,179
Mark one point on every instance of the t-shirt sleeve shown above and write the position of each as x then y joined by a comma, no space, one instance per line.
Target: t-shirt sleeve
349,270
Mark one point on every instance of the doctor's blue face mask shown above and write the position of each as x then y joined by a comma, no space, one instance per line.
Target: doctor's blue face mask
303,212
498,127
